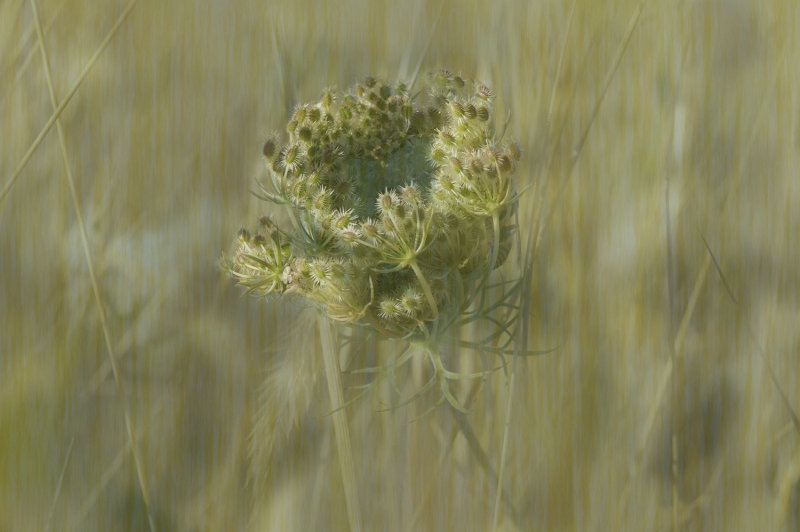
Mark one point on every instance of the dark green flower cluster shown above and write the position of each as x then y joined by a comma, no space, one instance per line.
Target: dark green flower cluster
399,206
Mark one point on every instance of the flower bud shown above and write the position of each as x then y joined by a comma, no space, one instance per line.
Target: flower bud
291,155
470,111
410,303
343,219
388,224
318,271
370,229
447,138
322,201
270,149
435,115
348,236
336,269
399,211
410,194
327,98
438,156
299,115
484,93
299,190
504,163
417,120
446,183
476,166
388,309
443,77
385,202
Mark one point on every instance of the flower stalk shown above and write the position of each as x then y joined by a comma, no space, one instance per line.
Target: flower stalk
330,360
400,209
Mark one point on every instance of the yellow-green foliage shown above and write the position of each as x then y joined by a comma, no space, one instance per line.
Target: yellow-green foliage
652,135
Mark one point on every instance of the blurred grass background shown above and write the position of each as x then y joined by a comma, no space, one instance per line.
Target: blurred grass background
668,403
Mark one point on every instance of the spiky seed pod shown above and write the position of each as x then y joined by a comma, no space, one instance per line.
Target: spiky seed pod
305,134
270,149
410,195
370,228
292,158
328,98
350,234
504,163
343,219
385,202
322,200
448,139
318,271
484,93
476,166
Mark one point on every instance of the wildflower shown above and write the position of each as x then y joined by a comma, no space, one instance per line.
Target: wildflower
400,207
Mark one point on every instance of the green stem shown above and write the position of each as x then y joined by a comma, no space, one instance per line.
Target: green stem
340,428
425,288
496,245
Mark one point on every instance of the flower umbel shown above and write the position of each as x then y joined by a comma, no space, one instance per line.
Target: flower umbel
400,207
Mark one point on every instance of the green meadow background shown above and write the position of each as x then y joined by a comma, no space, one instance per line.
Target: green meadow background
661,164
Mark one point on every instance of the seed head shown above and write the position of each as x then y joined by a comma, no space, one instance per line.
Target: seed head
391,200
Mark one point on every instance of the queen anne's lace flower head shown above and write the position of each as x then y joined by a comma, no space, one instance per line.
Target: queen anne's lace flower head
399,206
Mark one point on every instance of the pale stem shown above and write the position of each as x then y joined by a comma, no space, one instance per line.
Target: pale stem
340,428
425,288
496,246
